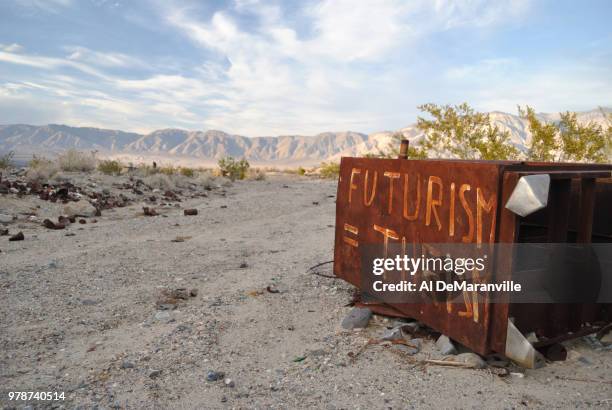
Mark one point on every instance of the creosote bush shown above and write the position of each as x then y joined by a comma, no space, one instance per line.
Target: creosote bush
329,170
110,167
187,172
232,168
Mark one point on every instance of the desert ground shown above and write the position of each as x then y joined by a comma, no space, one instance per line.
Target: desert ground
92,311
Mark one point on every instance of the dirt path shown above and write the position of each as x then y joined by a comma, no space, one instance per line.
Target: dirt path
78,315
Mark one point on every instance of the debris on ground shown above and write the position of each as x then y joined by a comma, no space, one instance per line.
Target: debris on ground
17,237
190,212
357,318
446,346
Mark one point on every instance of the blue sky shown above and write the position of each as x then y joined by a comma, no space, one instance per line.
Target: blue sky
295,67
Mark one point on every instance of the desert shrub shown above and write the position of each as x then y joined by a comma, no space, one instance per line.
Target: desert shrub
187,172
159,181
110,167
41,169
6,160
232,168
329,170
301,171
256,174
73,160
167,170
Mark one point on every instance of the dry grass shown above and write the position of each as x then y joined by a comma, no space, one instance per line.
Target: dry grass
73,161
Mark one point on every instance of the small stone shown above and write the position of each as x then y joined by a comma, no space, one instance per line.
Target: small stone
445,345
17,237
6,219
357,318
243,265
193,292
393,334
163,316
472,359
213,376
89,302
190,212
607,338
229,382
4,232
127,365
154,373
223,399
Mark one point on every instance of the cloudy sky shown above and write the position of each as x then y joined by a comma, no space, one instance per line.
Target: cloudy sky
295,67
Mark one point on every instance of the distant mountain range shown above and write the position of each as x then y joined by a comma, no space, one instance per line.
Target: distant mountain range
208,146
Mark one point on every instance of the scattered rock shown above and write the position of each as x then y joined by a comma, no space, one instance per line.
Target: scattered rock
6,219
149,211
82,221
357,318
154,373
393,334
243,265
315,203
17,237
80,208
445,345
606,339
163,316
89,302
4,232
190,212
475,361
127,365
49,224
229,382
193,292
213,376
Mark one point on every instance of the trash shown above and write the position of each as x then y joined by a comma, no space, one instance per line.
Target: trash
190,212
471,359
272,290
213,376
393,334
445,345
49,224
357,318
149,211
17,237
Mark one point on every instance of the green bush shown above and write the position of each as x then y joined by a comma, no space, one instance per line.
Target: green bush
6,160
187,172
232,168
110,167
168,170
301,171
329,170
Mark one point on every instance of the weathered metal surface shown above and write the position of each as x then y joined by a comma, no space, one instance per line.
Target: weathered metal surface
412,202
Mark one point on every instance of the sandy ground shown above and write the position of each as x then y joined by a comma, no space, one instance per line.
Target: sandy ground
78,315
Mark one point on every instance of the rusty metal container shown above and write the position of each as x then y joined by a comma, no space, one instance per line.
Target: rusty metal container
429,201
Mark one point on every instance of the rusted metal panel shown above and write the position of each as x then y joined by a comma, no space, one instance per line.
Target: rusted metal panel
412,202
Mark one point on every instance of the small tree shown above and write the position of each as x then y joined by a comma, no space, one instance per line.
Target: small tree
6,160
587,142
233,169
543,142
461,132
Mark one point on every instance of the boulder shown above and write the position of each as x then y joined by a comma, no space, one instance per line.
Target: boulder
357,318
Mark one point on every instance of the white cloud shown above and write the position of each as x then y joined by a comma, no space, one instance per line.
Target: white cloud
11,48
106,59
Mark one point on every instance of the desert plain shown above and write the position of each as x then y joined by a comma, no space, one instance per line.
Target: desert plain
220,310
